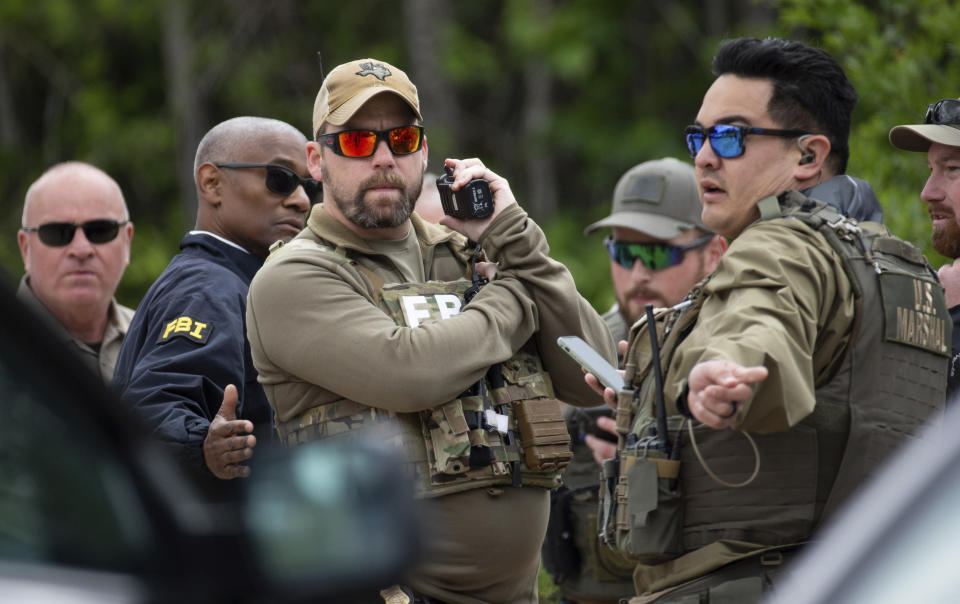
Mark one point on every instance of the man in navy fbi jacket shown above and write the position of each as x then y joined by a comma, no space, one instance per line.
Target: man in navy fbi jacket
185,365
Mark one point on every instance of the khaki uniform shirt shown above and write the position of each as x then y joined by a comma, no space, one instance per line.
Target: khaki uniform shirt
779,298
317,336
617,325
102,361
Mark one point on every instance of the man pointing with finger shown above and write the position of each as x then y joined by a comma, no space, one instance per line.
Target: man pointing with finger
185,365
822,341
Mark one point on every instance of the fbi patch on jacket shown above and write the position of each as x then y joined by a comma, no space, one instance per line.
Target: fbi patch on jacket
185,327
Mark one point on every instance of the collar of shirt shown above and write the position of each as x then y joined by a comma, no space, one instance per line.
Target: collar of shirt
219,238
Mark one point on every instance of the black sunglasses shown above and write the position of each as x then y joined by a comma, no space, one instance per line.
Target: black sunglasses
654,256
281,179
728,140
363,143
59,234
944,111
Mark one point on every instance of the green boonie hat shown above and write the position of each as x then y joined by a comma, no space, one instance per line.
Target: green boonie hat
349,86
658,198
919,137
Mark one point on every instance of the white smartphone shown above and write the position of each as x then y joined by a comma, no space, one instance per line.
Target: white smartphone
590,359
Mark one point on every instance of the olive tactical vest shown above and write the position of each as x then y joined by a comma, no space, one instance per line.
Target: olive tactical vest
889,381
505,430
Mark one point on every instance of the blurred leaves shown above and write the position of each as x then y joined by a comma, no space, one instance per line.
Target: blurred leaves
901,57
559,97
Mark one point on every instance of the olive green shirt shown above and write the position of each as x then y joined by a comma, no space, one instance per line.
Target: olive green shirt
779,298
101,360
317,336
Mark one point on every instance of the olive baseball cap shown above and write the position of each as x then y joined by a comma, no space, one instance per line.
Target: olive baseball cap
658,198
350,85
938,128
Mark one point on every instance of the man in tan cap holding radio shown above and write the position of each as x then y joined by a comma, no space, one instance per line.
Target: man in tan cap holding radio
373,323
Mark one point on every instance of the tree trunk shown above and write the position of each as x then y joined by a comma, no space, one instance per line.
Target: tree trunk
187,105
425,20
541,198
9,131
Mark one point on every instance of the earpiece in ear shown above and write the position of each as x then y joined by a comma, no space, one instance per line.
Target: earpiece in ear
807,157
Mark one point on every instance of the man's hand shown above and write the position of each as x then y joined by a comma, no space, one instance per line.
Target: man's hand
608,394
602,449
716,387
950,278
228,440
463,172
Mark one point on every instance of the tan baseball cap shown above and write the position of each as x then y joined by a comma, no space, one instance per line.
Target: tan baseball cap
919,137
658,198
349,86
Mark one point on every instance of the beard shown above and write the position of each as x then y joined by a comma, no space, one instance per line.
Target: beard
946,240
369,216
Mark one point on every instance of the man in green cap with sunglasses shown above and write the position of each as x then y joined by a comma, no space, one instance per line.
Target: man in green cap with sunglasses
75,245
658,245
818,345
659,248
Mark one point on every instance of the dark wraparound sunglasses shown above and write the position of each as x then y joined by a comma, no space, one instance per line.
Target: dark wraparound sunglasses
728,140
944,111
281,179
59,234
654,256
363,143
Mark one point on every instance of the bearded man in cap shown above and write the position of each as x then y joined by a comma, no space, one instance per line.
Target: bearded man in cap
939,137
373,323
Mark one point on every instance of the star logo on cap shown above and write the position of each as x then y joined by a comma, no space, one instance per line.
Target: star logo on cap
377,70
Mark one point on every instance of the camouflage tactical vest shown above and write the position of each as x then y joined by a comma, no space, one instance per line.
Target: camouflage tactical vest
505,430
888,382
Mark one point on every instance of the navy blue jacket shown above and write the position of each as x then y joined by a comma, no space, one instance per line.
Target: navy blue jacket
187,341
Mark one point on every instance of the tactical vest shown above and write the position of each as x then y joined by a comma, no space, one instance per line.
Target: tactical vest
890,379
506,429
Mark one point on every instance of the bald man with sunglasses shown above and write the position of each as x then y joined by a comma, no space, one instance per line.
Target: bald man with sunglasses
185,366
75,245
374,323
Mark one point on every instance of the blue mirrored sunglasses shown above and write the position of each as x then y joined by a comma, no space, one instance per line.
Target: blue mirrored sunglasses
728,140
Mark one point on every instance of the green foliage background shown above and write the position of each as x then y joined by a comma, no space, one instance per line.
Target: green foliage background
561,97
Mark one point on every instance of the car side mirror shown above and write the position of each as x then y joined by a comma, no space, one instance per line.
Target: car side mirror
329,519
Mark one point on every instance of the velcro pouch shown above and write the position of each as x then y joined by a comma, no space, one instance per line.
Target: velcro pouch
543,434
649,514
446,429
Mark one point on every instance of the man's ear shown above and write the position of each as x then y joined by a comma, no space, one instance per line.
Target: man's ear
714,251
24,246
315,160
425,153
128,235
209,181
812,152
